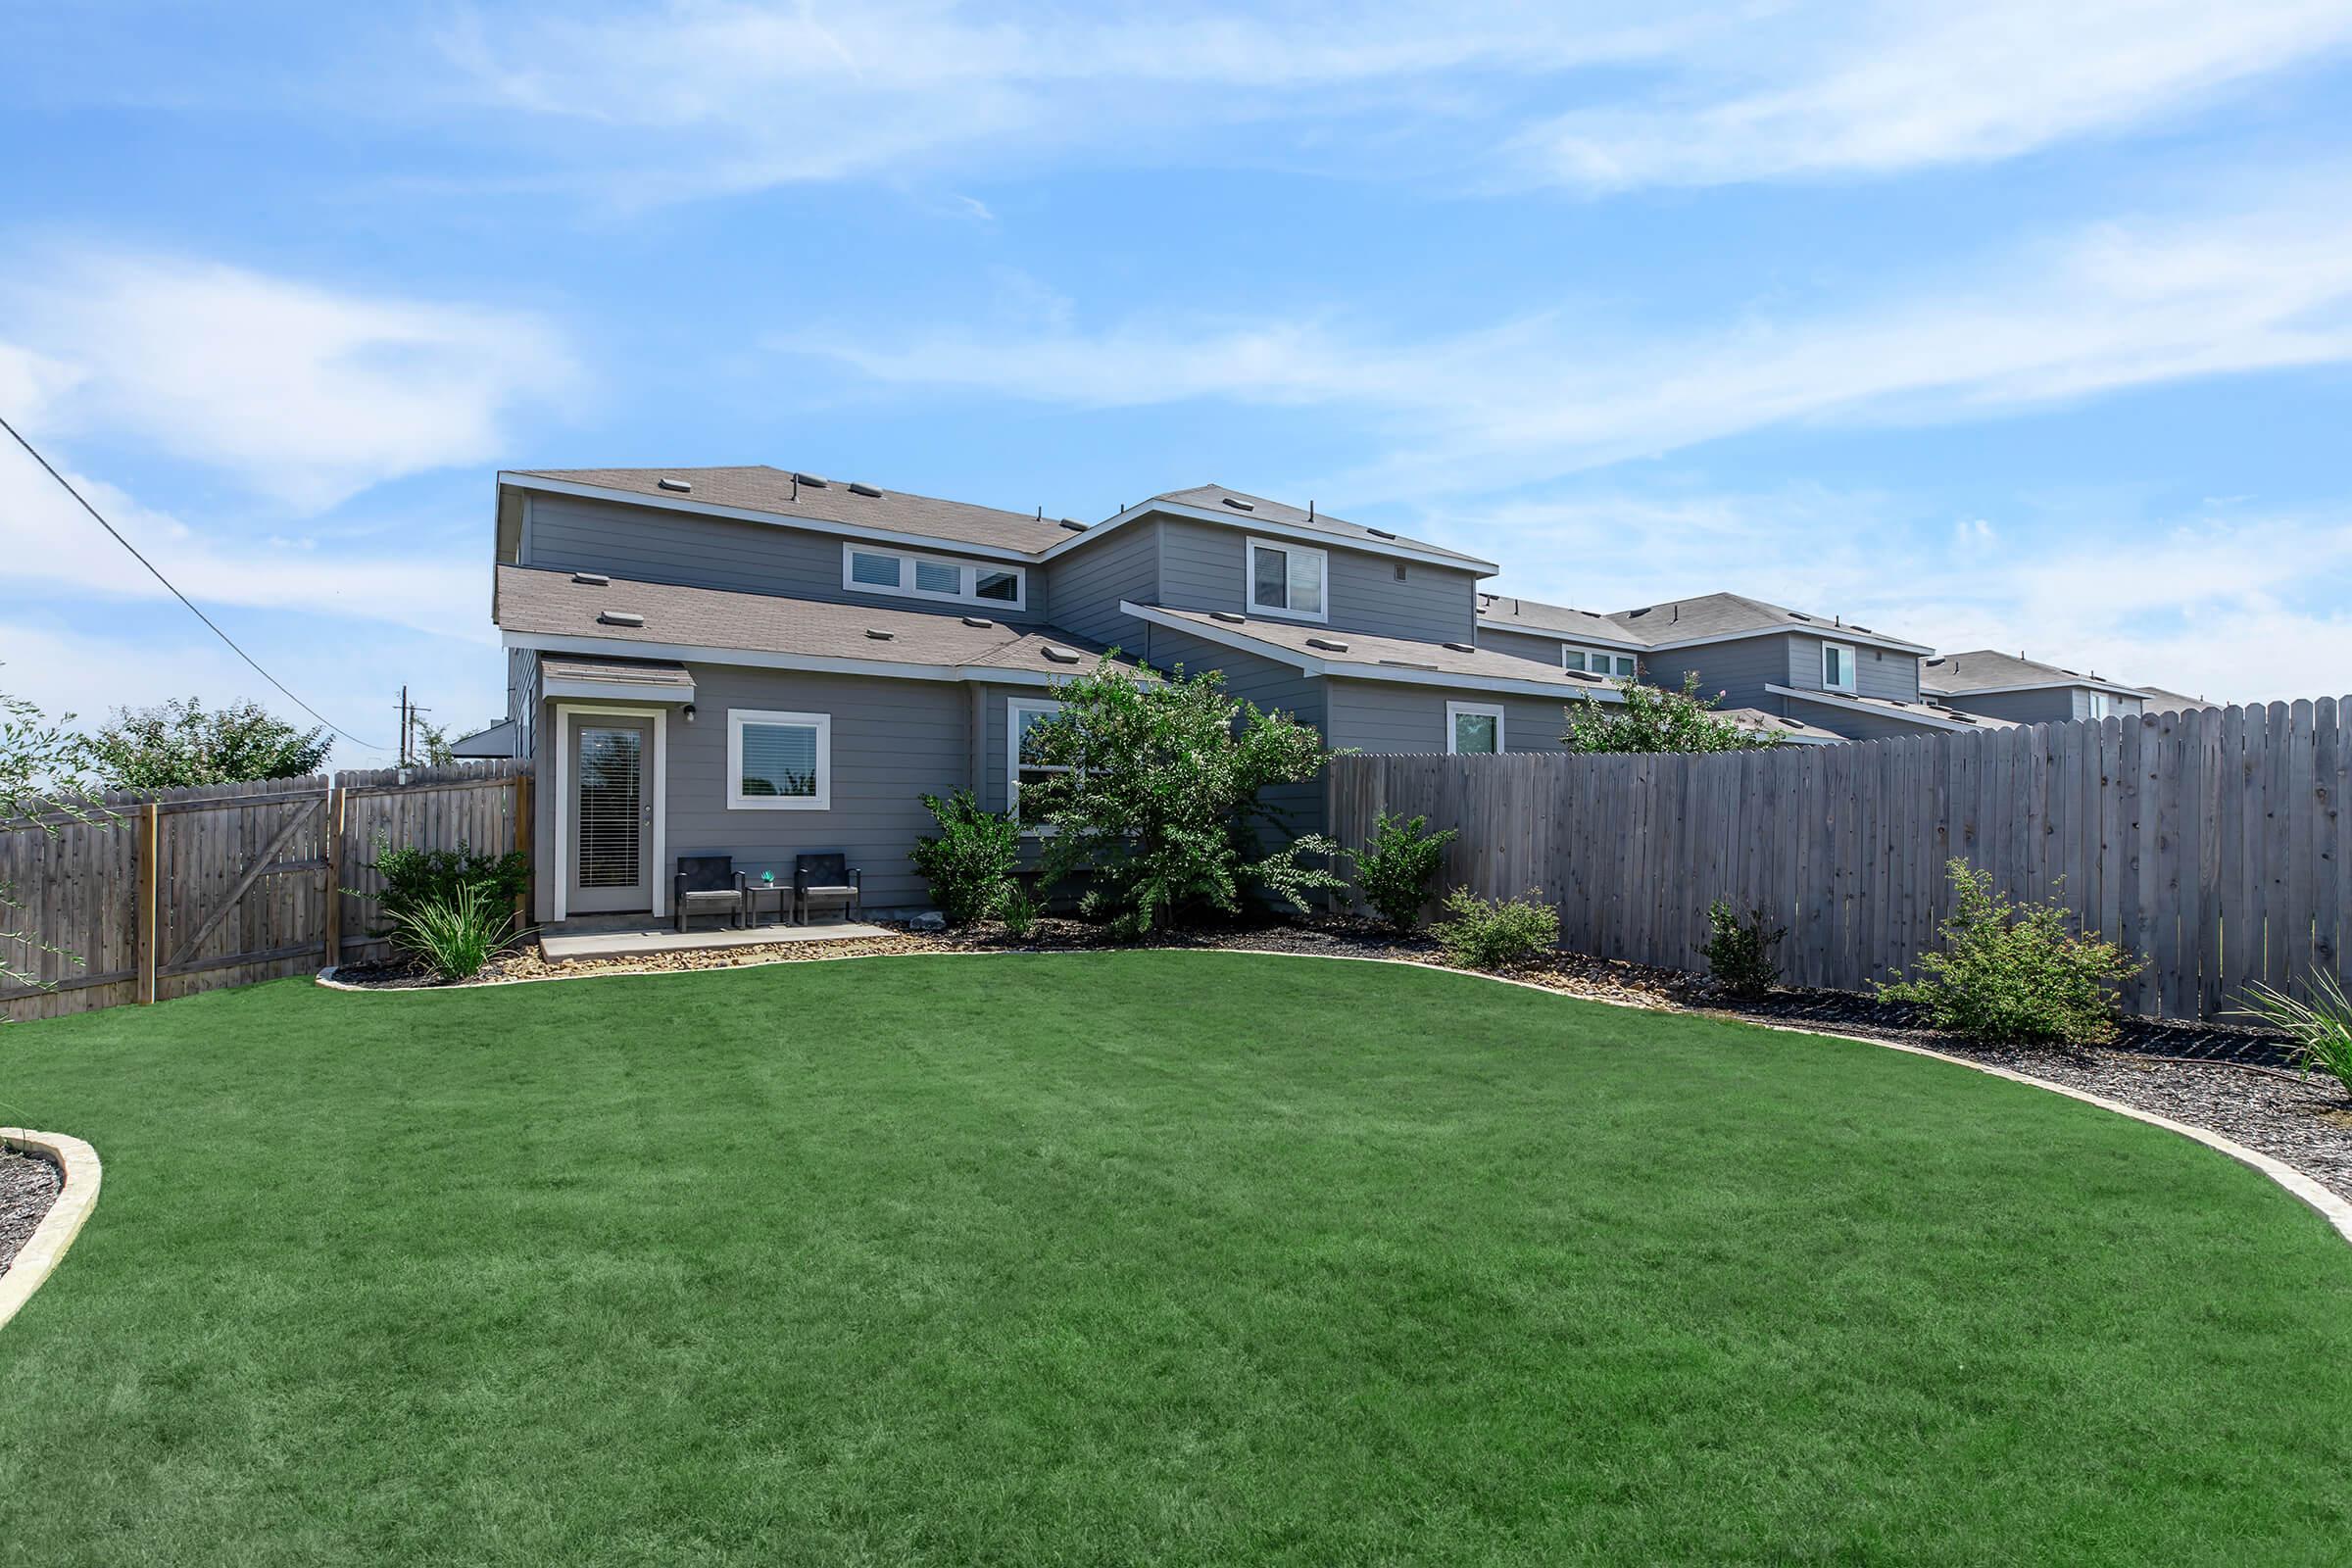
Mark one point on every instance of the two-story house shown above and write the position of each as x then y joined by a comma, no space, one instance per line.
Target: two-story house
2026,691
758,663
1772,665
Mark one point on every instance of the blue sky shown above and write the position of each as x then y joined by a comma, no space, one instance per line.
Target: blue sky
1986,324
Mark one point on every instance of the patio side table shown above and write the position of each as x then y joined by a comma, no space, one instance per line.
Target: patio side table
778,895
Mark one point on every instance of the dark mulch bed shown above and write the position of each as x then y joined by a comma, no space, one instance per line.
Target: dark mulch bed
28,1185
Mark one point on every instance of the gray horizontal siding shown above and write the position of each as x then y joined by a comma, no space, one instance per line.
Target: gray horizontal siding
1201,566
1092,580
1853,723
1379,717
2026,707
1521,645
567,533
1739,670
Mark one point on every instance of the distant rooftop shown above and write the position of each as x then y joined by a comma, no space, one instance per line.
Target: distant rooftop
1243,506
1983,670
1675,620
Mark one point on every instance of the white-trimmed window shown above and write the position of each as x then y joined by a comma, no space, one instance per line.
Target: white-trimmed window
779,761
1473,729
1599,662
1838,667
2102,704
1287,580
1022,716
869,568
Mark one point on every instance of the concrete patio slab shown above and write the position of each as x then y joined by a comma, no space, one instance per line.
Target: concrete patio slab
640,936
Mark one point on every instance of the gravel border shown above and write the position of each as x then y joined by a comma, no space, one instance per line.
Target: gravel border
2226,1079
29,1188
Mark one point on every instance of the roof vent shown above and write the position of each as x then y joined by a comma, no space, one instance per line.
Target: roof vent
1239,505
594,579
865,490
1327,644
1796,616
1380,533
1407,663
1073,525
621,617
1637,615
1227,616
808,479
879,635
1463,648
981,621
1061,655
683,487
1937,659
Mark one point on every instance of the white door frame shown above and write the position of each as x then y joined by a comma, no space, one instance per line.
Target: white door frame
661,843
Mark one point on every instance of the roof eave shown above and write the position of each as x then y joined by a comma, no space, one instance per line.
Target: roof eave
775,519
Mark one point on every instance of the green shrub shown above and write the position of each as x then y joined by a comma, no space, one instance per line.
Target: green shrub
460,934
1496,933
2015,971
970,863
1017,910
414,878
2322,1030
1739,953
1393,871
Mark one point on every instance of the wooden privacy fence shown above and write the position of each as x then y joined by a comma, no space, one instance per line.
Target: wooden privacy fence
179,890
2213,841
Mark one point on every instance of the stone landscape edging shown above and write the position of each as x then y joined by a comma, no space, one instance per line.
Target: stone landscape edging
2336,1211
39,1257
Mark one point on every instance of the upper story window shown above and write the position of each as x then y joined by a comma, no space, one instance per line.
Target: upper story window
1287,579
2102,704
1473,729
963,582
1838,667
1599,662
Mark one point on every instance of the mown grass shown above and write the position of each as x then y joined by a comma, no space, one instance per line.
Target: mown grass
1172,1257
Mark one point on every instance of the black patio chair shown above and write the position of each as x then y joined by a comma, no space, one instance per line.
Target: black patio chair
706,884
827,876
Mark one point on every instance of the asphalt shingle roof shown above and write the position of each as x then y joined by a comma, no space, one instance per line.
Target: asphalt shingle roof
1356,648
1983,670
1219,499
1511,614
765,489
1671,621
556,604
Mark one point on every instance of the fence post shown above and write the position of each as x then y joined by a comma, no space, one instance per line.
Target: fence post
525,902
334,875
151,846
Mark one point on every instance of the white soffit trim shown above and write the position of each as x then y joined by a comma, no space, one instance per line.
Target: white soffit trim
1250,522
777,519
1863,704
761,659
1346,669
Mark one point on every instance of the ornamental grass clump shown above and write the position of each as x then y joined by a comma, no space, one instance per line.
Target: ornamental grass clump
1496,932
2016,971
457,935
2321,1029
1393,873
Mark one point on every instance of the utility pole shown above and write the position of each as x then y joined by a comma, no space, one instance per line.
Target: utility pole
409,716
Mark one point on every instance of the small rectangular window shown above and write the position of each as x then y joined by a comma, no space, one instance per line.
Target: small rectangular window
1473,729
930,576
1023,716
1837,667
999,585
938,577
1287,580
779,761
1572,658
873,570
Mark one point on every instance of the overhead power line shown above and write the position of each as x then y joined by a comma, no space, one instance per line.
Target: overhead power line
182,598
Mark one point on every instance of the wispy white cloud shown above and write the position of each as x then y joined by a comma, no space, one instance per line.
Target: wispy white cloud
301,393
2113,306
697,97
1813,91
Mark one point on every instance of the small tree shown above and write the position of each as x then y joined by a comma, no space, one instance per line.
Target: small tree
180,743
1159,802
969,866
2015,971
40,781
1654,718
1394,870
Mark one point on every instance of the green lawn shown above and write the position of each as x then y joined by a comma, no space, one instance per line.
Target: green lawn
1171,1257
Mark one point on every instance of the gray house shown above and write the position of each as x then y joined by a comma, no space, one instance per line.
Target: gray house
1833,678
2026,691
758,663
